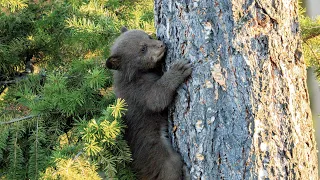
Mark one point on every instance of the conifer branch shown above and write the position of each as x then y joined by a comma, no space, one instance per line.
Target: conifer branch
7,82
305,39
76,157
15,80
311,49
18,119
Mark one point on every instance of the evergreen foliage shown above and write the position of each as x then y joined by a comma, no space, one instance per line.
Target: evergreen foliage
54,88
310,31
90,147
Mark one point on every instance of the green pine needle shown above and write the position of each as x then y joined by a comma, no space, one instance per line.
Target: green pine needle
119,108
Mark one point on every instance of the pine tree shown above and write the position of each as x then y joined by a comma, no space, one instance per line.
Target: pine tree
56,112
55,89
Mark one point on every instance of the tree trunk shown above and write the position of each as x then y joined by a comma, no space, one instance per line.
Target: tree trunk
244,113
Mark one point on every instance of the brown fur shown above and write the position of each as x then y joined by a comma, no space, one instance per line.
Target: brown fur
148,92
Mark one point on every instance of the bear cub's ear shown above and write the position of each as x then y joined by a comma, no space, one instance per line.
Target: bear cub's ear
123,29
113,62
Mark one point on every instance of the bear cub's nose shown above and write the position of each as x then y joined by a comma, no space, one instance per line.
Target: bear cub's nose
161,44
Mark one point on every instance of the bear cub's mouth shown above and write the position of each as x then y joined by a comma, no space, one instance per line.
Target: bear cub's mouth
161,53
160,56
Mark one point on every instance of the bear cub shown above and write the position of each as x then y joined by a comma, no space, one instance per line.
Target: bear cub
139,80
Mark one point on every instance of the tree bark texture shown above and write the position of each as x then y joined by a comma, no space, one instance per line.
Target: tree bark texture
244,113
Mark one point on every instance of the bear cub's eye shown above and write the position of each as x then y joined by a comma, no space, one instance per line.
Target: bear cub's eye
144,48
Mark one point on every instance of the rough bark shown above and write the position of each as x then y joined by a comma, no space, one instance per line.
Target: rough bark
244,113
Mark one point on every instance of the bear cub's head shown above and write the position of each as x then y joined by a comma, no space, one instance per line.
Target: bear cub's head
135,50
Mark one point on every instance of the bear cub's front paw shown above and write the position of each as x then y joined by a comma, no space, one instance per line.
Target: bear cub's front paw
180,71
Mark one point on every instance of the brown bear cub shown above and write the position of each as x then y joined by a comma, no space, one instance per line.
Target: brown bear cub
138,80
